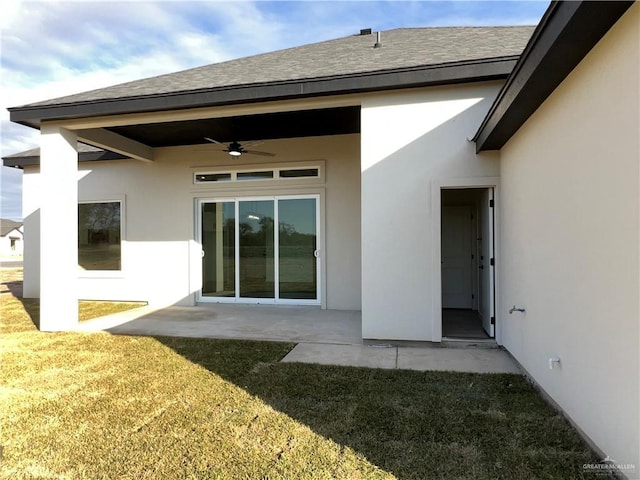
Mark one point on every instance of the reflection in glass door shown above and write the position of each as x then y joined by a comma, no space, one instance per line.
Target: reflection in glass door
218,245
247,259
297,246
255,224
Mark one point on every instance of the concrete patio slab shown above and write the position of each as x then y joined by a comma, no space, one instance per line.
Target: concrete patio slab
410,358
327,337
250,322
344,355
482,360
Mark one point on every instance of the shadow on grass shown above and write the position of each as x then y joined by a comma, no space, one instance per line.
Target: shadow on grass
32,307
13,289
12,292
412,424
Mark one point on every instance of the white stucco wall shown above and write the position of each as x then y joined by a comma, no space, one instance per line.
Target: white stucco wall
570,189
410,140
160,253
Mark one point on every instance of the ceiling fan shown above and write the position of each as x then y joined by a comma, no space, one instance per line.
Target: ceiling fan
236,149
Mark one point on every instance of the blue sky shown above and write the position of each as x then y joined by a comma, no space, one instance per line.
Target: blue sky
53,48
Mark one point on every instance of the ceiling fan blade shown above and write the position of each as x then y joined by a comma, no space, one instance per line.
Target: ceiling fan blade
213,141
252,143
256,152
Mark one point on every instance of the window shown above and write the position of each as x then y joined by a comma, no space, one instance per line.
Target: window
213,177
300,172
99,236
264,175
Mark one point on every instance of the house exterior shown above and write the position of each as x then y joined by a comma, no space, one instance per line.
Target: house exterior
11,238
494,170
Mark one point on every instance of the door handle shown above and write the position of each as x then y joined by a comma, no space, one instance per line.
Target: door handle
316,253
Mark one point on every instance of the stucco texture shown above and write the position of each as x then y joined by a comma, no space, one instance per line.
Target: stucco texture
411,141
570,216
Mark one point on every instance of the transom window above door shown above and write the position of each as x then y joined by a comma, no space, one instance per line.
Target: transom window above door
259,174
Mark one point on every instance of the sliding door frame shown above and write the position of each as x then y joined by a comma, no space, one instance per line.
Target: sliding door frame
236,199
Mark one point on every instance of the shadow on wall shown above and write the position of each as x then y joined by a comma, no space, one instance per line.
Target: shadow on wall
398,269
441,149
29,294
161,217
137,281
153,197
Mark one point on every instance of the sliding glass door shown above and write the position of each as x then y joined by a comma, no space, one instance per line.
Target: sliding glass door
260,250
257,249
298,247
218,233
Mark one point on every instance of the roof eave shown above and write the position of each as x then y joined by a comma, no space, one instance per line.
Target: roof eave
430,75
34,160
564,36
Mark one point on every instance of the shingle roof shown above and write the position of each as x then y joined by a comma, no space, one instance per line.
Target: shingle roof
402,48
7,226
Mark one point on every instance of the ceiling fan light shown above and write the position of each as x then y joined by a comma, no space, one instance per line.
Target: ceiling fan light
235,149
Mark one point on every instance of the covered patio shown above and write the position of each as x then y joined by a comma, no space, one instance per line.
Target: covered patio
327,337
248,322
336,123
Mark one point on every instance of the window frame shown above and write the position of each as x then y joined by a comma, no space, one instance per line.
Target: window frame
234,171
82,273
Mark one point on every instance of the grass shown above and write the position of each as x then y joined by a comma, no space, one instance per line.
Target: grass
88,310
12,310
98,406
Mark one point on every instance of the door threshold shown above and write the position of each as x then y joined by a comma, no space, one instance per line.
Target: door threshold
310,306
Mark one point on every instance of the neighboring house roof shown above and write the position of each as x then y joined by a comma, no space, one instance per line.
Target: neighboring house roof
564,36
7,226
408,57
86,153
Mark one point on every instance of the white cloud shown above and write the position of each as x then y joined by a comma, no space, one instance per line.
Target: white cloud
10,10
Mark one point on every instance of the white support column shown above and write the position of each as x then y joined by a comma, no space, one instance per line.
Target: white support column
58,229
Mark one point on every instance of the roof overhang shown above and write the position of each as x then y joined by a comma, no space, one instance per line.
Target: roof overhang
430,75
32,157
564,36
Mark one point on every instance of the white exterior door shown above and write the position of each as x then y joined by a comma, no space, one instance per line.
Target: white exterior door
486,265
457,248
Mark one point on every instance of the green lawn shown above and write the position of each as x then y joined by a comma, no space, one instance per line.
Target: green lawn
98,406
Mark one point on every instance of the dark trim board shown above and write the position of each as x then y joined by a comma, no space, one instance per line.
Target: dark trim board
565,35
431,75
